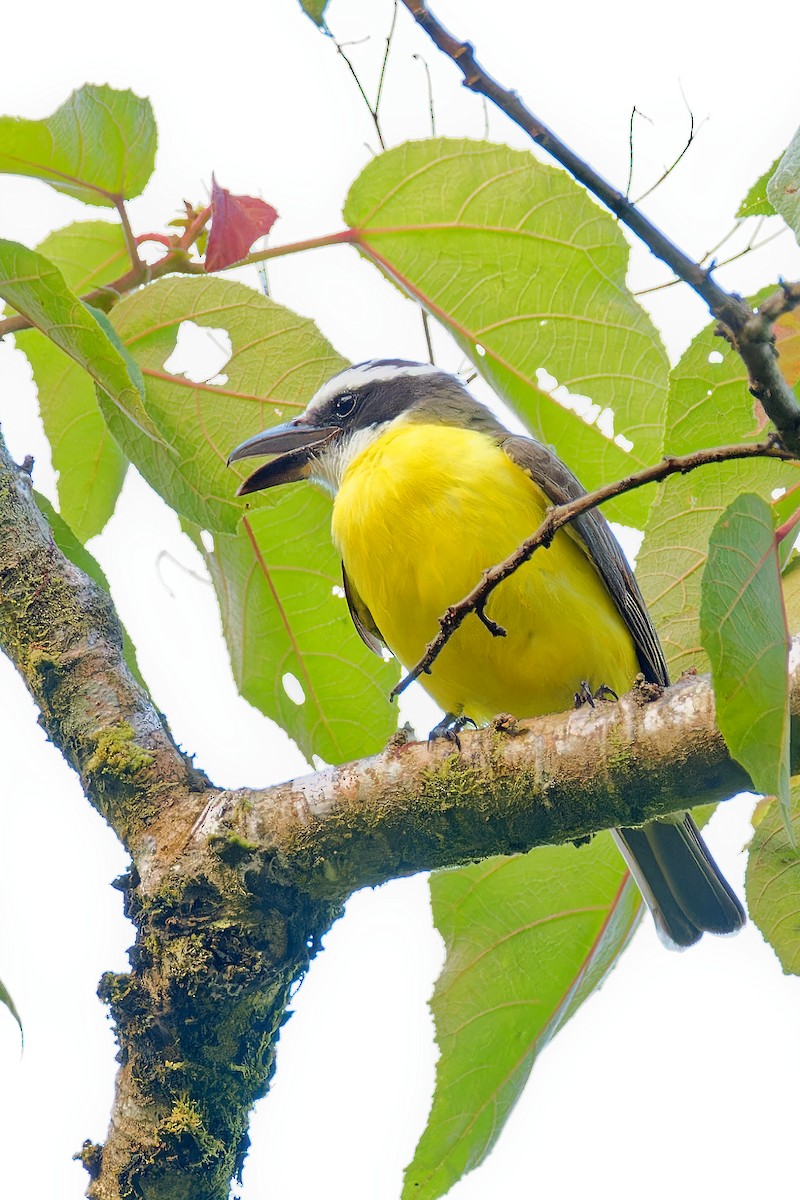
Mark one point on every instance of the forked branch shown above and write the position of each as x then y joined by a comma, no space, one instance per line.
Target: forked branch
562,514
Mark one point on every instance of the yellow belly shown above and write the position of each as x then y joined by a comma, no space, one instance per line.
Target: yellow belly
419,515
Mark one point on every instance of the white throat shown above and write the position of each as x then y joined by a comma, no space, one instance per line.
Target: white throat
329,466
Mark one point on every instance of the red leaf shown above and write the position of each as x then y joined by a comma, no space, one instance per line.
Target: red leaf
236,223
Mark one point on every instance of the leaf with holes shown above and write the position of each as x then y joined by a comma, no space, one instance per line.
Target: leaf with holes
77,553
783,189
90,465
743,627
772,881
294,651
36,288
528,274
99,146
755,203
277,361
528,940
236,223
708,405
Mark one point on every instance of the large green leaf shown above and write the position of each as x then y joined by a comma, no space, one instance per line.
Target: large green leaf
709,405
294,650
277,362
755,203
528,939
99,146
71,548
36,288
90,465
528,274
783,189
743,628
773,880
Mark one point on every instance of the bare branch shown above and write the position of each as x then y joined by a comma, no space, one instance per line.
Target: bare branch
562,514
431,109
731,310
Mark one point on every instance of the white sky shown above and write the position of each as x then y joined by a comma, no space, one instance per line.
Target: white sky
675,1078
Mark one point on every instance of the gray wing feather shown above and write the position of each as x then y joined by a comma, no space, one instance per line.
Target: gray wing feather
362,618
560,485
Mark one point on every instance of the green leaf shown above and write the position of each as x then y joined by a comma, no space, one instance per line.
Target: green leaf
709,405
90,465
99,146
791,594
77,553
5,998
316,10
37,290
783,189
528,939
294,650
278,360
743,627
755,203
772,882
528,274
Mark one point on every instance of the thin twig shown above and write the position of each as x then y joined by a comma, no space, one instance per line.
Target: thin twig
372,109
669,169
424,62
426,328
386,58
130,241
750,248
562,514
731,310
634,112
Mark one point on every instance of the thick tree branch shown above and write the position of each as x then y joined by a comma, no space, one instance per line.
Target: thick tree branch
512,786
198,1015
562,514
62,634
766,381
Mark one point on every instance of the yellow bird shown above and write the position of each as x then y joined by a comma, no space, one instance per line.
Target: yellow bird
429,490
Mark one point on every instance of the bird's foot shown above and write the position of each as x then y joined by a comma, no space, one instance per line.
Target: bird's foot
585,695
449,728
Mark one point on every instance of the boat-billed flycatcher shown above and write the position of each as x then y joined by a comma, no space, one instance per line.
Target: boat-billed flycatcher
429,490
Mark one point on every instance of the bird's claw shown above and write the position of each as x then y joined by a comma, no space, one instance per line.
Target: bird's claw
585,695
449,728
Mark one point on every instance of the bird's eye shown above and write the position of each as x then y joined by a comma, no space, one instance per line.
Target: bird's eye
343,405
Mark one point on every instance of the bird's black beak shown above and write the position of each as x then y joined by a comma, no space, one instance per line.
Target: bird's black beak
295,443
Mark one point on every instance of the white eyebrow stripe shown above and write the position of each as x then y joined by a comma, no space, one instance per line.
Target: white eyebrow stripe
369,372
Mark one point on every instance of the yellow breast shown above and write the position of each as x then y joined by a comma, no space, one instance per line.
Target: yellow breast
419,515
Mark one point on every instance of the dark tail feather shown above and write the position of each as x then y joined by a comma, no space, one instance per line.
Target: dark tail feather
680,881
